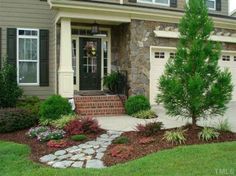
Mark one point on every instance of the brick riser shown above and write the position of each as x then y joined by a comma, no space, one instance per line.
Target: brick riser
100,105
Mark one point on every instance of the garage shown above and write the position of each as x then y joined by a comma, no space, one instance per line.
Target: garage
160,55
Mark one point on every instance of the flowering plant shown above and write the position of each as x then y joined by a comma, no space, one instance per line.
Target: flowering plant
44,134
49,135
35,131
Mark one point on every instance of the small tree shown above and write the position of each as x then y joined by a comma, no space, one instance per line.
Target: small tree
193,86
9,90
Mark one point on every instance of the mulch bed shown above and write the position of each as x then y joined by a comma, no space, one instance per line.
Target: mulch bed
140,150
39,149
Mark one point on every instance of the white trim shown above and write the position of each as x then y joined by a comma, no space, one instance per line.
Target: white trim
206,4
214,5
154,2
34,61
167,48
233,13
171,34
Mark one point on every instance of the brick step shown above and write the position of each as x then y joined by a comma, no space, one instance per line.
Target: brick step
100,111
102,104
100,98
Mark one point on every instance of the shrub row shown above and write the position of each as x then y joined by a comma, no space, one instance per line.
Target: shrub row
16,119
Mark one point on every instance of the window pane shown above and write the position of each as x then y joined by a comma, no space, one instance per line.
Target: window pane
146,0
74,58
28,32
28,49
162,1
211,4
27,72
105,55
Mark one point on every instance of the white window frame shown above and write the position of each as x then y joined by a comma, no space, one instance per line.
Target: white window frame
153,2
35,61
214,5
207,7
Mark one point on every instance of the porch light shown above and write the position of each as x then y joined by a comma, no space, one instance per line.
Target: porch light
95,29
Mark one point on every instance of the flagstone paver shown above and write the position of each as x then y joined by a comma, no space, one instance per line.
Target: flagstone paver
87,155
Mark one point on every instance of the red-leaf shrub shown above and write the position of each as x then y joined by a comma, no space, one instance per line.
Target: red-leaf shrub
74,127
58,144
121,151
150,128
90,125
83,126
146,140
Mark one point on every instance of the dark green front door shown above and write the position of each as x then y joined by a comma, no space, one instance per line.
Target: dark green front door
90,63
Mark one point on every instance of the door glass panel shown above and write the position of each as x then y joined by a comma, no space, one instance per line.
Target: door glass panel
105,56
90,57
74,58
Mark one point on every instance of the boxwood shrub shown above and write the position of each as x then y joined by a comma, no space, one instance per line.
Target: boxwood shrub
137,103
53,108
80,137
16,119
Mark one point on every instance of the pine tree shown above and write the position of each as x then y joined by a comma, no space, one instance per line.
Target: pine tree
193,86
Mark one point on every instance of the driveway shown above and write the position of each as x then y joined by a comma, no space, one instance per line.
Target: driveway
127,123
172,121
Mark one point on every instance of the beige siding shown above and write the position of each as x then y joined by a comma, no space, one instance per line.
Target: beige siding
30,14
181,4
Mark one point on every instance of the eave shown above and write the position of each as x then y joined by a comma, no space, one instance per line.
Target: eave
129,12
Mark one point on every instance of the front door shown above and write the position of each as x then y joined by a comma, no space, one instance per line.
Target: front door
90,63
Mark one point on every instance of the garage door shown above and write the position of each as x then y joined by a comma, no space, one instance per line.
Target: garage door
159,57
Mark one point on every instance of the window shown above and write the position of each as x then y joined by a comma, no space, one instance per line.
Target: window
159,2
159,55
172,55
105,57
211,4
87,32
225,58
74,58
28,56
90,57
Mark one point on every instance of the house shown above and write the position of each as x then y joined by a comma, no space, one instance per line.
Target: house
49,41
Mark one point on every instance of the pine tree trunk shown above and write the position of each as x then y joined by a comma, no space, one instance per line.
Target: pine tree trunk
194,122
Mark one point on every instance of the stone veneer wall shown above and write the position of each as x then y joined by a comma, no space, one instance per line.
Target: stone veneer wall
131,51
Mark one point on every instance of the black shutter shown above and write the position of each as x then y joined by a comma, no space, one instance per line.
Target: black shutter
133,1
44,58
11,46
1,48
218,5
173,3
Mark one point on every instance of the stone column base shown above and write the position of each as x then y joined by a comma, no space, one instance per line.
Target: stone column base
66,84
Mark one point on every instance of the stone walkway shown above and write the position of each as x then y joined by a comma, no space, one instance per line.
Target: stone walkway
87,155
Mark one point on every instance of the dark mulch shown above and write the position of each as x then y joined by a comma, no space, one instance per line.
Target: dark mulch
39,149
140,150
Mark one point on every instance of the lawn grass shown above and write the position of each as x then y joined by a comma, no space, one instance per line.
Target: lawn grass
191,160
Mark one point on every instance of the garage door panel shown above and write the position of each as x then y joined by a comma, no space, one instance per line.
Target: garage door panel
158,62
